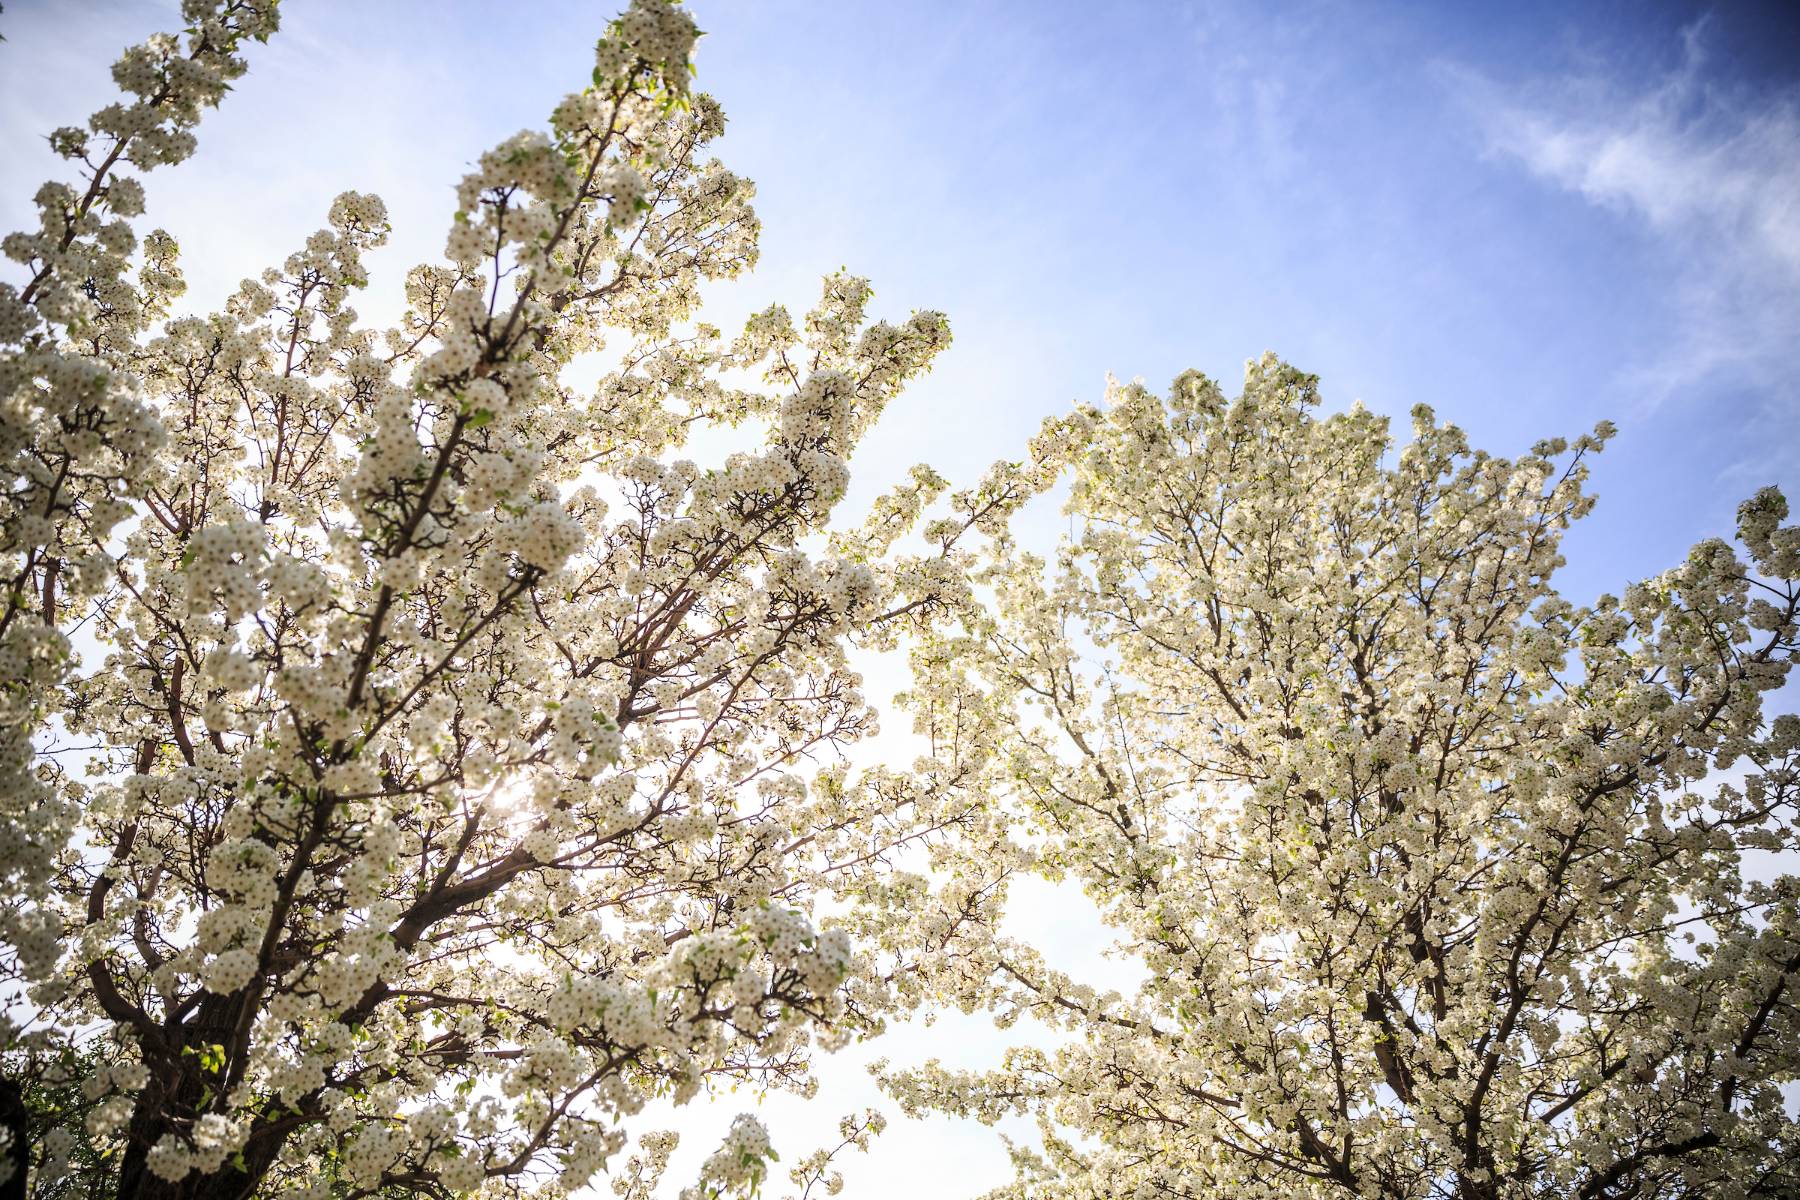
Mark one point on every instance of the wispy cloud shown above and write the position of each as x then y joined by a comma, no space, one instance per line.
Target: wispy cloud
1708,165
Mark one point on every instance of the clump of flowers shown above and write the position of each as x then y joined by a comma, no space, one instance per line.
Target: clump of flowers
1442,886
450,734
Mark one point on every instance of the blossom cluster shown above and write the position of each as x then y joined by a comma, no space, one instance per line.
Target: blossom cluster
449,737
76,434
1439,884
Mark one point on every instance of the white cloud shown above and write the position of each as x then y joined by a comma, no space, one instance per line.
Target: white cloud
1708,166
1685,155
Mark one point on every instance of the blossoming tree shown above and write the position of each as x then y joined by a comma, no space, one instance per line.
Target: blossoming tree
410,766
1440,885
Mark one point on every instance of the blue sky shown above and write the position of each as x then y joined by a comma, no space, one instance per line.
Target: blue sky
1530,216
1530,220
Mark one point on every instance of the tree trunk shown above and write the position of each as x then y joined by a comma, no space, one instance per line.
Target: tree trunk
238,1179
13,1125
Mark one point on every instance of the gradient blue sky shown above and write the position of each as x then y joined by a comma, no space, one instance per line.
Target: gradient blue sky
1530,216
